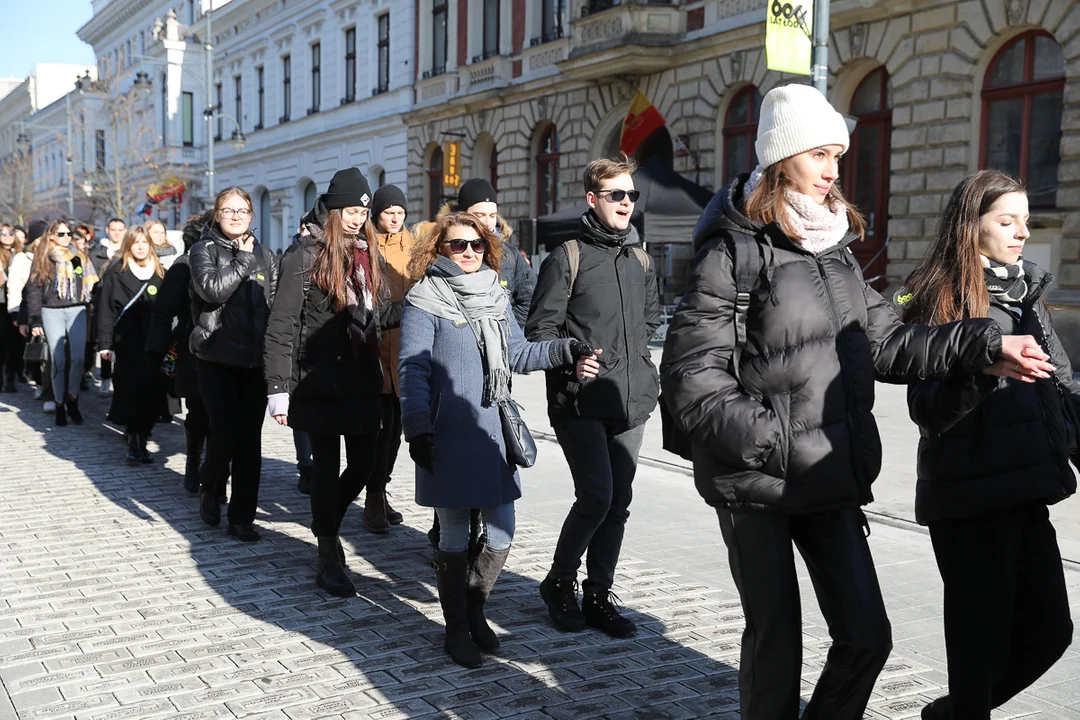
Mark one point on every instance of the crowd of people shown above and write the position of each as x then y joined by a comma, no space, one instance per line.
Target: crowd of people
363,332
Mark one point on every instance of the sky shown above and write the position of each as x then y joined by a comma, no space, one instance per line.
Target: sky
38,31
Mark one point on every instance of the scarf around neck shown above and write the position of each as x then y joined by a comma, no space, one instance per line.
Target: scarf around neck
1006,283
593,229
479,299
358,298
69,268
818,227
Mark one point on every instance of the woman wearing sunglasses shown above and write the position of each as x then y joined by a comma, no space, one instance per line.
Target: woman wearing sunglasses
459,344
322,357
57,296
233,279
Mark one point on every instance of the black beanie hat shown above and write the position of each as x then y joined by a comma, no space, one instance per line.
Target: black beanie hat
348,188
388,196
475,191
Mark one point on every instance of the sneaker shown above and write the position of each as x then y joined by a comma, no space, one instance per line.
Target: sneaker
106,387
37,392
49,406
602,612
560,596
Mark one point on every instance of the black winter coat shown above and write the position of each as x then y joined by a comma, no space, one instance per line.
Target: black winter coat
519,280
174,303
231,294
138,393
798,435
309,353
614,307
990,442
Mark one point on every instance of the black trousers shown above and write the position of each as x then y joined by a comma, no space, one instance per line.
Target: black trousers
332,493
12,345
763,565
388,444
1006,607
235,400
603,462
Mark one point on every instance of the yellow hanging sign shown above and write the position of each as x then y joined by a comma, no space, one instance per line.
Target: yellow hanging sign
452,165
789,25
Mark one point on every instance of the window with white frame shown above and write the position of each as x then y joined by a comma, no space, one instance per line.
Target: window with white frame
316,77
384,54
350,65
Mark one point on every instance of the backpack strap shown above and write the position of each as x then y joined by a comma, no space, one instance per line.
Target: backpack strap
573,258
643,257
748,264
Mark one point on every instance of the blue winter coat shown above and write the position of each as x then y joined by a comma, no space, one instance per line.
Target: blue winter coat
442,383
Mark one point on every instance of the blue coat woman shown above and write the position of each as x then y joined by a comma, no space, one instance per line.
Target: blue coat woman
459,344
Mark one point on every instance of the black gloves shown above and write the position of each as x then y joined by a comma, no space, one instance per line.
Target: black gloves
422,451
581,349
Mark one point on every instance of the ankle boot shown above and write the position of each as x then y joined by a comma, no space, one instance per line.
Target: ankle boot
71,404
144,455
303,485
209,510
330,576
451,569
193,445
483,573
61,415
375,519
134,451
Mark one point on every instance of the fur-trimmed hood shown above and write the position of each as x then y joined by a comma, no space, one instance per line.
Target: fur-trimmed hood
505,231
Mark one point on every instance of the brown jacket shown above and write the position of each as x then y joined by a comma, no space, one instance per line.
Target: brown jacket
395,250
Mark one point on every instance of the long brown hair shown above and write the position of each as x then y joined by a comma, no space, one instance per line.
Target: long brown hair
334,260
133,235
426,248
948,284
6,251
768,203
44,269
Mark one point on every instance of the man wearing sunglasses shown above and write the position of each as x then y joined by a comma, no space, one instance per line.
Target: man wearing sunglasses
477,196
608,298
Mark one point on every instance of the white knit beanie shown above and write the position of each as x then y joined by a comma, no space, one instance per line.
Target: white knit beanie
794,119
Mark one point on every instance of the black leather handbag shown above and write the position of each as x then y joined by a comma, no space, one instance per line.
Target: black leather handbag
520,446
37,350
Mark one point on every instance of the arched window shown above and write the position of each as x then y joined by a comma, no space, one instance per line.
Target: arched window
435,182
864,170
486,159
380,178
493,168
740,131
310,194
547,172
264,216
1021,115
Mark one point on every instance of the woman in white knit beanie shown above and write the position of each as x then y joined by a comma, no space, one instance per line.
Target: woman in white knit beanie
768,374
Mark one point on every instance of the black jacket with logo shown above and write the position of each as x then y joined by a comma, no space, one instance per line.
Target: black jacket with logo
614,307
231,294
798,434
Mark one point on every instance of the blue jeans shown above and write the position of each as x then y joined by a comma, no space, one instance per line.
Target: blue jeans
303,448
65,325
454,527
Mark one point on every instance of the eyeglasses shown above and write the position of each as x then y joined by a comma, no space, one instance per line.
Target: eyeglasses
63,234
618,195
6,233
458,246
230,212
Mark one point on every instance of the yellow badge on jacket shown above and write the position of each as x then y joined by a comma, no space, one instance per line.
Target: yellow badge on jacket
152,290
78,270
259,276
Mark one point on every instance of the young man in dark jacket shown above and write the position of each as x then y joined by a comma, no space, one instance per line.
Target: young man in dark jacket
612,303
101,254
477,196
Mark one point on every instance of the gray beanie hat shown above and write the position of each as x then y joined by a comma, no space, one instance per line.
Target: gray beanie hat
794,119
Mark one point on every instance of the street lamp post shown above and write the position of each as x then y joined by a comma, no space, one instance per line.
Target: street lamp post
209,113
70,170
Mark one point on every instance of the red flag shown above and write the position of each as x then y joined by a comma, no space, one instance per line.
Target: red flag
641,120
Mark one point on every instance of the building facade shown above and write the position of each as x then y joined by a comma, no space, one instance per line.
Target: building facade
939,89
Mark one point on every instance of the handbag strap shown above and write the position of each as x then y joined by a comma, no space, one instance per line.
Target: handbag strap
132,301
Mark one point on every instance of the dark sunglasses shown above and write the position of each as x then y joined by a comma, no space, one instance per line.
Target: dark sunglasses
63,234
458,246
618,195
6,233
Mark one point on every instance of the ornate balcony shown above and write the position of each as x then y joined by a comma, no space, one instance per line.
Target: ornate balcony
635,33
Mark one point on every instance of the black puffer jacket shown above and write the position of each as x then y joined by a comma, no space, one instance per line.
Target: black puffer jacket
614,307
990,442
309,352
518,278
231,294
798,436
174,303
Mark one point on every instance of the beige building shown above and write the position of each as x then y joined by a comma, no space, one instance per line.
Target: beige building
939,89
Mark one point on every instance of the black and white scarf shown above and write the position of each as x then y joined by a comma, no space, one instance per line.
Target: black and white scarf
1006,283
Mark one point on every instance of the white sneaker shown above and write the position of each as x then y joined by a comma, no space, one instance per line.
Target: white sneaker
38,393
49,407
106,386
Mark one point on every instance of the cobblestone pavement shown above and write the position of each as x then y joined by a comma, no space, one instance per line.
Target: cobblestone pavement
118,602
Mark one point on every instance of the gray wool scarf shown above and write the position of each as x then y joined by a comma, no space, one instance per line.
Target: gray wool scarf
479,299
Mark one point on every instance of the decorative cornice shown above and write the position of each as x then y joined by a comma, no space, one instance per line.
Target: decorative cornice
112,16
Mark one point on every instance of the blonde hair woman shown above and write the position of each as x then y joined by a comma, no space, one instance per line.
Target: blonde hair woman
57,296
123,312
